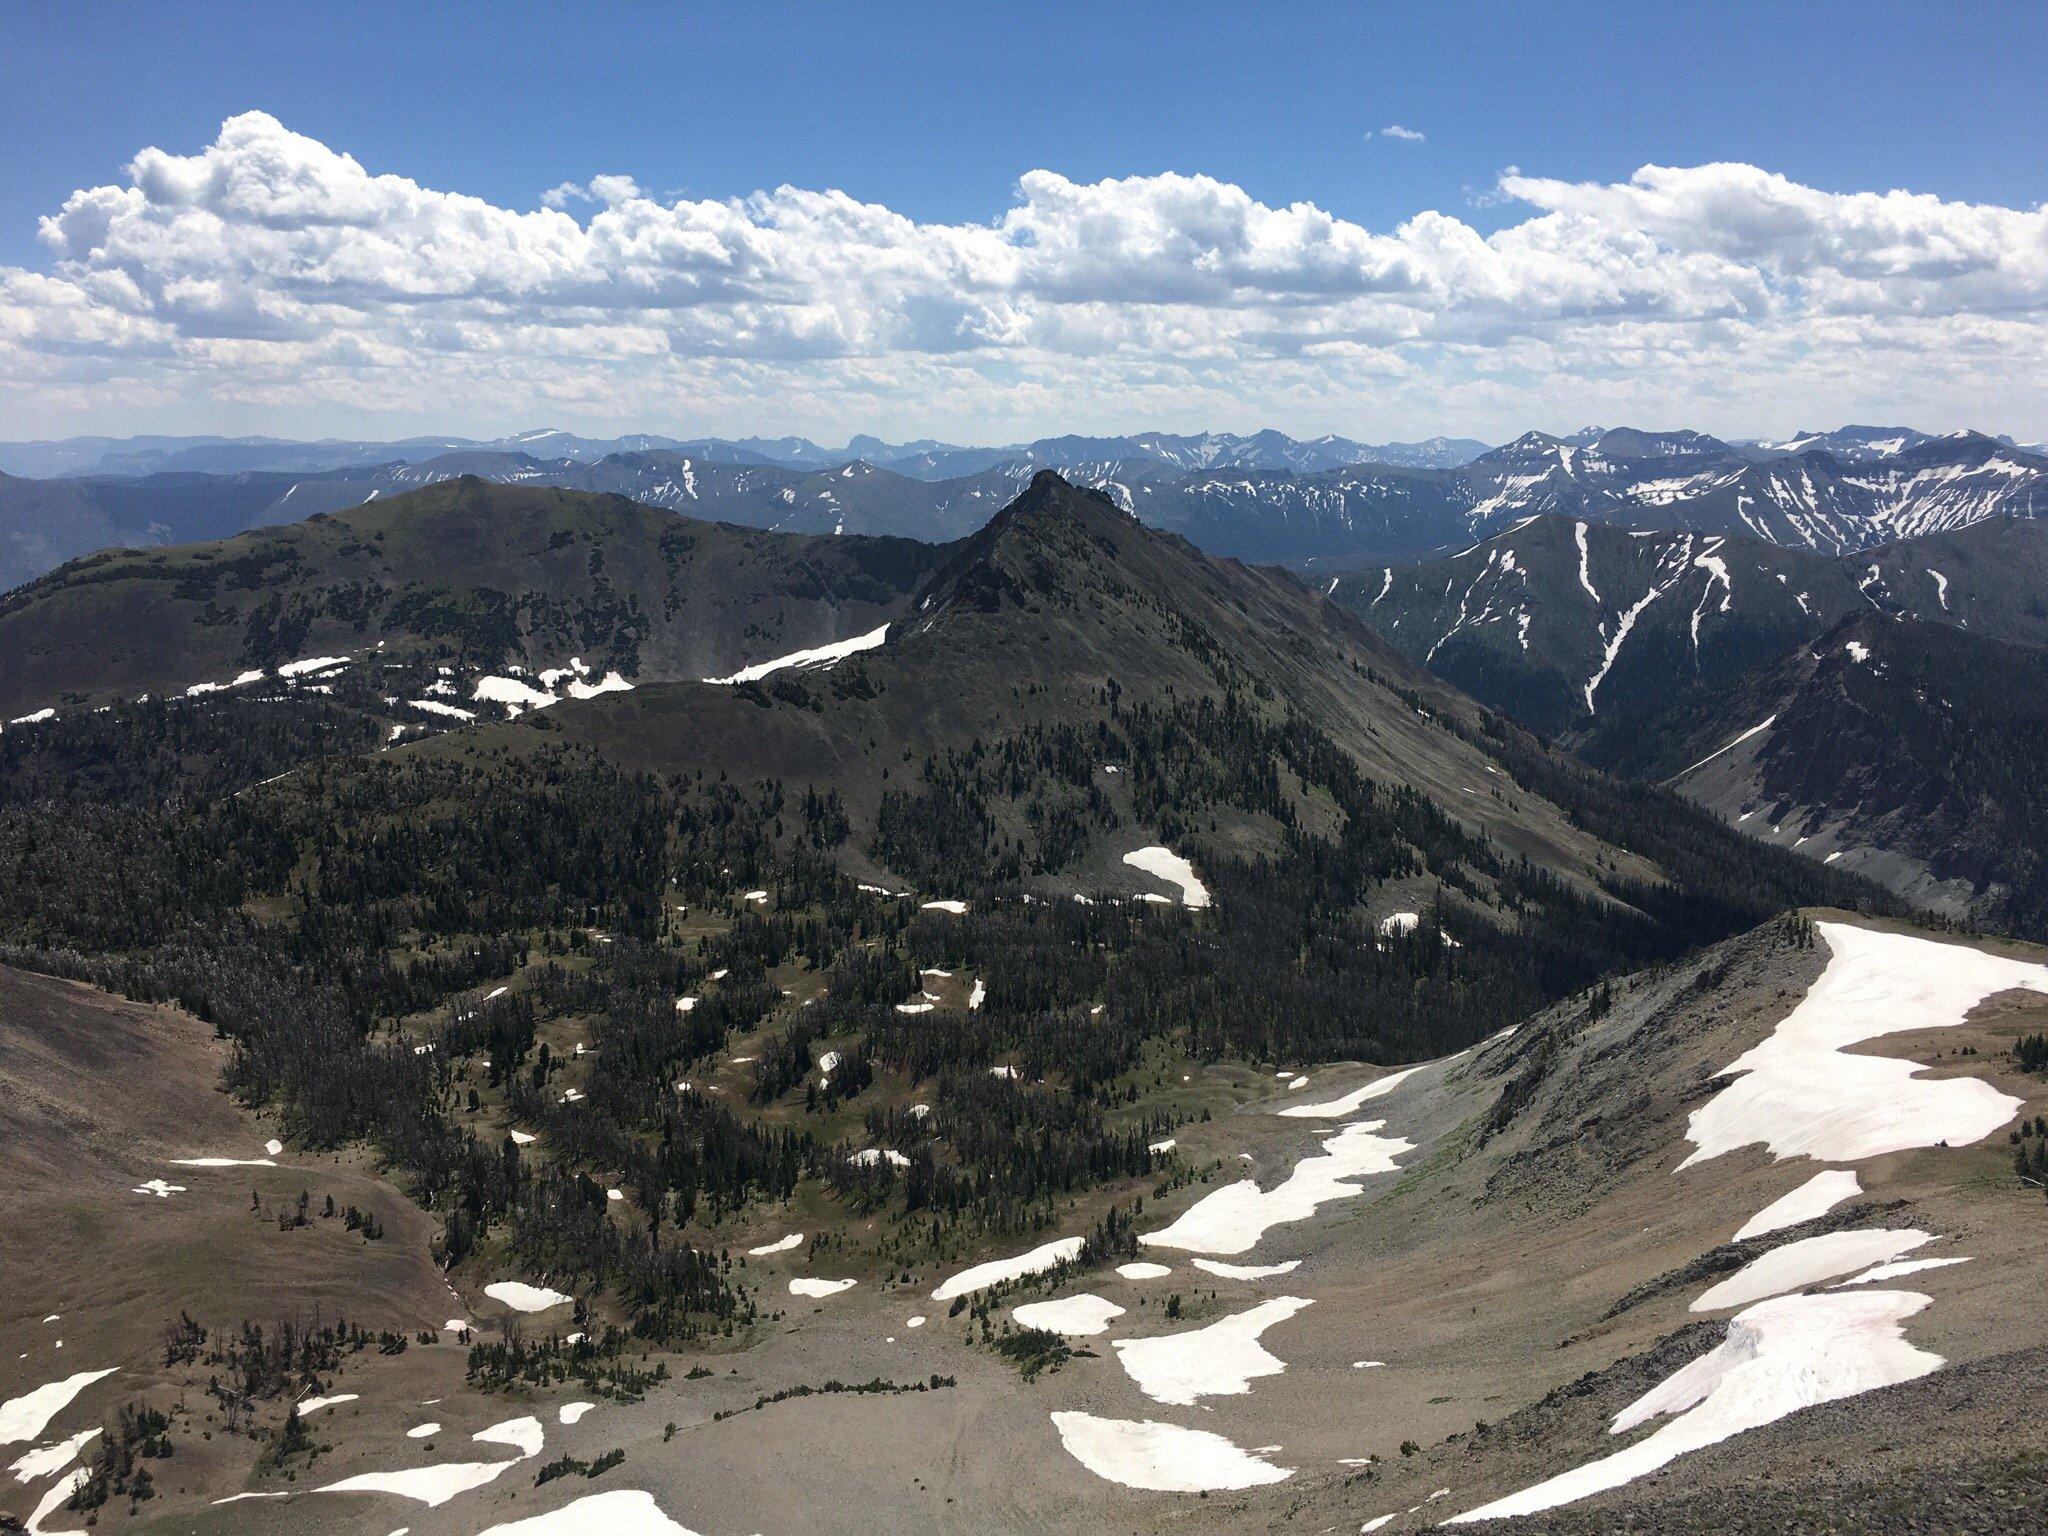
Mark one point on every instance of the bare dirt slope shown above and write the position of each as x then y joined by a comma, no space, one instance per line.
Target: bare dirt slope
1521,1260
99,1097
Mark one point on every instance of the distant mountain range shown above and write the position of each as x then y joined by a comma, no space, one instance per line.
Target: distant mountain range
1264,498
923,459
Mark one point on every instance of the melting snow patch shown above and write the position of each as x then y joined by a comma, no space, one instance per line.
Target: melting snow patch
815,656
874,1155
48,1459
25,1417
571,1412
621,1512
1060,1251
1220,1360
525,1434
222,1162
422,1431
957,908
310,665
315,1404
436,707
159,1188
1802,1092
1902,1267
1808,1262
808,1287
610,683
435,1486
1142,1269
1164,864
1399,925
780,1245
1073,1316
1336,1109
1779,1357
1246,1271
56,1498
521,1297
1233,1219
1816,1197
1141,1453
510,692
1733,742
523,1138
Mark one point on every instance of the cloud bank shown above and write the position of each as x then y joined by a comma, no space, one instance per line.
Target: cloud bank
271,277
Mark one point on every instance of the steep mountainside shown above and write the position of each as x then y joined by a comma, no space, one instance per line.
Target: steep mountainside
1070,681
462,571
1559,621
1905,751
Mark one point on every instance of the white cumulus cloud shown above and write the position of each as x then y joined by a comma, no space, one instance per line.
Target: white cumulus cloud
1406,135
269,277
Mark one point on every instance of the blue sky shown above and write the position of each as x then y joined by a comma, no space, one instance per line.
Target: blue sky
934,112
936,109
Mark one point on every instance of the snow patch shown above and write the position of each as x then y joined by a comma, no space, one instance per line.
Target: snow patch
814,656
46,1460
1808,1262
1779,1357
1071,1316
619,1512
1221,1360
809,1287
1164,864
1231,1220
521,1297
25,1417
1246,1271
1063,1250
1336,1109
1816,1197
1164,1458
1802,1092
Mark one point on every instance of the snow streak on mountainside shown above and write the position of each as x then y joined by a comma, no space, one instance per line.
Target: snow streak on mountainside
1560,622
